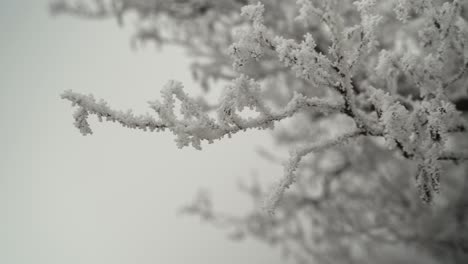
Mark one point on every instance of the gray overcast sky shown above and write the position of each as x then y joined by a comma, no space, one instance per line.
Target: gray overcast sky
111,197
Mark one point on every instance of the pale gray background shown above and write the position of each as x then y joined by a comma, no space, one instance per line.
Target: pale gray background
111,197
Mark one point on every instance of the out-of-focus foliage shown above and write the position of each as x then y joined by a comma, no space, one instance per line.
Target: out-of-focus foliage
376,97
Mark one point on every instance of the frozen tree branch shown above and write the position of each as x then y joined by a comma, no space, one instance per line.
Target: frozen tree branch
196,125
291,166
